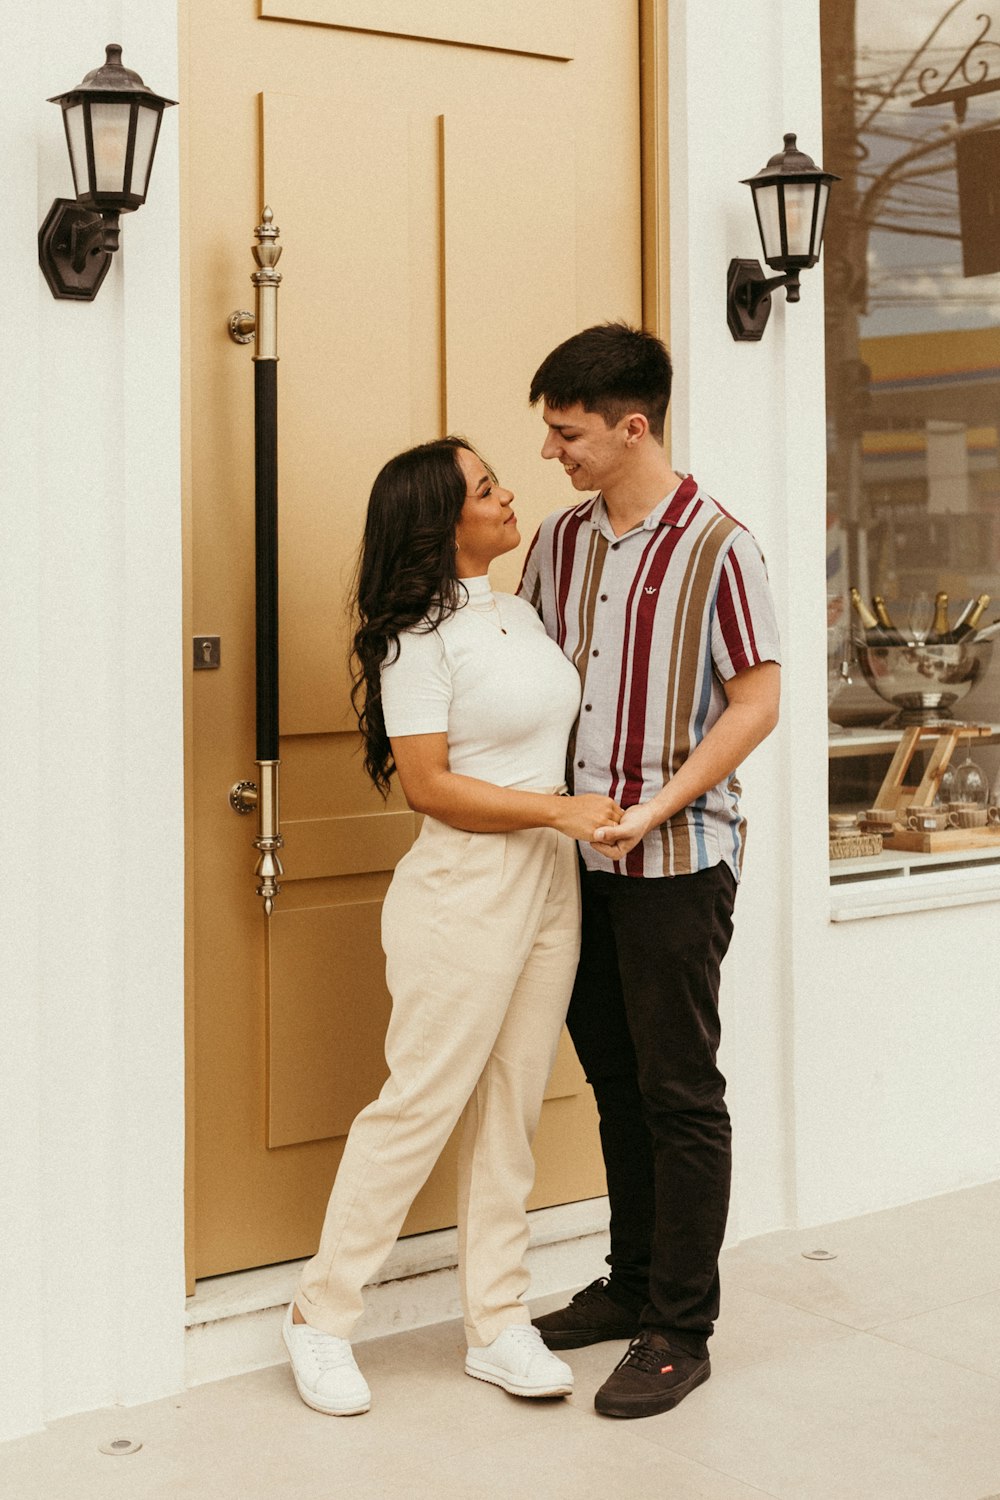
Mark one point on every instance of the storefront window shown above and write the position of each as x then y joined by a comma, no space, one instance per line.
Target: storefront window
912,126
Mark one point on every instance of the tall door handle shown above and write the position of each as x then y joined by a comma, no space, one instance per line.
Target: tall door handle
263,328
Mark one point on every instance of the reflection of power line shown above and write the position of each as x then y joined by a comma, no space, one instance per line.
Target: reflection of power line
936,304
866,52
919,268
921,231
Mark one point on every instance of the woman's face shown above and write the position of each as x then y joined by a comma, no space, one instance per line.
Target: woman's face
487,527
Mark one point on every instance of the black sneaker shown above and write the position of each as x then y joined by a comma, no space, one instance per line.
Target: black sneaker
652,1377
590,1318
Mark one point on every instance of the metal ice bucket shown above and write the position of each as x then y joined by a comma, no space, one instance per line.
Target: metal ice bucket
923,682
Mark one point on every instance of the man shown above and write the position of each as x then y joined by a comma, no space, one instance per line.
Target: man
660,599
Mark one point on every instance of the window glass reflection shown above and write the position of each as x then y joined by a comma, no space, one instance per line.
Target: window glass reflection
912,257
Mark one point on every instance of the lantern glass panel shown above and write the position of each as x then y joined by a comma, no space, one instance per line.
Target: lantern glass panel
823,196
799,199
145,138
76,136
766,199
109,123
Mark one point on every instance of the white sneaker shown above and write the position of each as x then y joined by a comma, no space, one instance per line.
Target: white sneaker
327,1378
518,1361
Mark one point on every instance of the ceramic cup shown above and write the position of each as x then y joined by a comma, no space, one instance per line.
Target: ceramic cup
968,817
843,823
930,819
883,816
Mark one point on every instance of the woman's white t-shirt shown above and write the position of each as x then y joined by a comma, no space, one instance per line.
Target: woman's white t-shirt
492,680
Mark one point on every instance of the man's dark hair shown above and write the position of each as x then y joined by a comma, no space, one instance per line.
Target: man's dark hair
610,369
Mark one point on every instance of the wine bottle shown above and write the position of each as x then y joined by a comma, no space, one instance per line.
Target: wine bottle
940,631
893,637
873,633
968,622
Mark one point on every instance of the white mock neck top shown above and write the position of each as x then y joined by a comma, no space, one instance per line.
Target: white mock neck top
491,680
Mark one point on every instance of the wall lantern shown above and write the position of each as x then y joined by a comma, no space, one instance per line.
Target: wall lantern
112,122
790,196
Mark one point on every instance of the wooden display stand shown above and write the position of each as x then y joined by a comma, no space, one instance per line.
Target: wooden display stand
894,796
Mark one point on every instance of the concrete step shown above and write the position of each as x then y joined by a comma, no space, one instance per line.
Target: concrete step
233,1323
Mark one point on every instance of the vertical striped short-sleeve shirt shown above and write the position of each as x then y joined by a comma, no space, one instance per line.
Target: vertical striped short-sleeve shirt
655,622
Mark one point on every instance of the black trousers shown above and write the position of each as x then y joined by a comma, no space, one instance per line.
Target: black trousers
644,1019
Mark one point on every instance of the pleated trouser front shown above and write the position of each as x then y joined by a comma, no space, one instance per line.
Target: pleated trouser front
481,937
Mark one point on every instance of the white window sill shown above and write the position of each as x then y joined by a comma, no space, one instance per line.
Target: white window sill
896,882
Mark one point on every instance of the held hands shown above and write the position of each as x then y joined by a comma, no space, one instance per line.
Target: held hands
585,816
618,836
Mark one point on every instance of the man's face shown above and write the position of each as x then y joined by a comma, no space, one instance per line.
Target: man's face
591,452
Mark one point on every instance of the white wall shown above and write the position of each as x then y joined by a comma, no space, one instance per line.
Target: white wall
862,1057
91,1080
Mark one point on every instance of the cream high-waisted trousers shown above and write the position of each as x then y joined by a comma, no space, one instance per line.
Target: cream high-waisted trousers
481,933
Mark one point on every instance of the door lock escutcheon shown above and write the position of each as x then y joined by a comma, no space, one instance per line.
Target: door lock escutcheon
207,652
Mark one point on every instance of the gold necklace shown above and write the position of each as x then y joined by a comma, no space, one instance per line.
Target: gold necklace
486,615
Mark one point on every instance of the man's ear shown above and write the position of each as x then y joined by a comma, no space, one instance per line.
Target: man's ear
636,426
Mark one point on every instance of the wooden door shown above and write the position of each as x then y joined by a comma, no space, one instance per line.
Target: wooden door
451,205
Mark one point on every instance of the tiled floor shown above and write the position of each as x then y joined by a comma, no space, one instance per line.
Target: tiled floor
874,1376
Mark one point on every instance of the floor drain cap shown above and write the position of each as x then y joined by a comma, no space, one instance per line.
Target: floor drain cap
118,1446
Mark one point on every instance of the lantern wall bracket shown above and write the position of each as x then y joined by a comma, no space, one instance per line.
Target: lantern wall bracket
75,246
748,297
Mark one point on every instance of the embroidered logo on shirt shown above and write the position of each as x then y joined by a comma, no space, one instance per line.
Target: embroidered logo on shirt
649,591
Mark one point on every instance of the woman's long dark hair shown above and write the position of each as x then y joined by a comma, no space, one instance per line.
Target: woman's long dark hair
405,574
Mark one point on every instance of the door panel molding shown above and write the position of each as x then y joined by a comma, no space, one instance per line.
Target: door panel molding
502,25
327,1012
511,297
361,845
328,1009
344,216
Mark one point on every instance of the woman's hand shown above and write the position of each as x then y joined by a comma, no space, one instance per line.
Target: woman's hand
618,839
581,817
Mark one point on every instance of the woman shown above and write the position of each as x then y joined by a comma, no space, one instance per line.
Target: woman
463,695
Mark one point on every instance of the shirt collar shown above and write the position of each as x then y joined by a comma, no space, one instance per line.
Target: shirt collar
674,509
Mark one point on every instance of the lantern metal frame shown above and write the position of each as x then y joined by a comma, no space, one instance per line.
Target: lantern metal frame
78,236
748,291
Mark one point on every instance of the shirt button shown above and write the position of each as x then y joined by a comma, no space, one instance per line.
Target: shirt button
587,707
604,598
615,546
581,764
595,653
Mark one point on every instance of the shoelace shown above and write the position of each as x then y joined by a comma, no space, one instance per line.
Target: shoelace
329,1355
642,1354
588,1292
524,1333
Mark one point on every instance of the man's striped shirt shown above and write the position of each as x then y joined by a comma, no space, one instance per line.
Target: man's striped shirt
655,621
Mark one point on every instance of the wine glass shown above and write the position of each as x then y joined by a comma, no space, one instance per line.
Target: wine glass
946,787
919,618
838,672
971,784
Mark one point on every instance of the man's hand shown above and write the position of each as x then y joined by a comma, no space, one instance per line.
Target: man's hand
615,840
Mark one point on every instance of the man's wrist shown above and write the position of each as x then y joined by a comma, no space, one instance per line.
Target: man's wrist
658,810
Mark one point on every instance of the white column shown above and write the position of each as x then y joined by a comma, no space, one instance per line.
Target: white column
91,1073
749,422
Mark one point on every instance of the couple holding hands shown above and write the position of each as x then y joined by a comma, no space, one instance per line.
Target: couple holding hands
639,664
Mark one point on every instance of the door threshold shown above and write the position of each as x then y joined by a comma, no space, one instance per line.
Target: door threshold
233,1322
